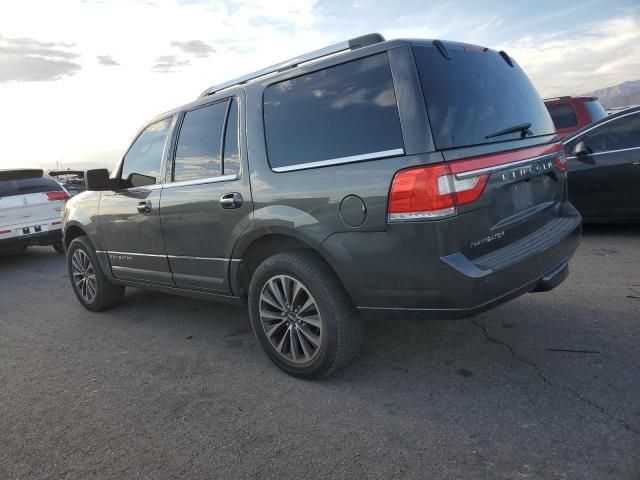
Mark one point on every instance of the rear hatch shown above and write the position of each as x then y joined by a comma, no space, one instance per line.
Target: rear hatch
503,175
29,202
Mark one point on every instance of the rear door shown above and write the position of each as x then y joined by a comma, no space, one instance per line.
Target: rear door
130,216
207,204
604,184
493,129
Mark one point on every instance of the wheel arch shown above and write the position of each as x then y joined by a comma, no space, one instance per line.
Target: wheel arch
260,247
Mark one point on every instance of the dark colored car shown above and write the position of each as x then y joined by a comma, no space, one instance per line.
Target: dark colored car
370,178
604,168
570,114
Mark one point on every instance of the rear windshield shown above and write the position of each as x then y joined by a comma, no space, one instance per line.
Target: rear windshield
595,110
475,94
25,186
563,115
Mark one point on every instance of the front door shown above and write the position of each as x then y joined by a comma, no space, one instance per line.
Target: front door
604,183
130,216
207,204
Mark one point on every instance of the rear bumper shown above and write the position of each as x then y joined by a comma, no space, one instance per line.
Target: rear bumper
44,238
410,278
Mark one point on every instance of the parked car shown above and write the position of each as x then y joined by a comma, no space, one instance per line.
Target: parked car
335,187
31,207
570,114
71,180
604,168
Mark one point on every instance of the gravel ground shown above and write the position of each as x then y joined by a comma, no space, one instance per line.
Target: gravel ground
545,387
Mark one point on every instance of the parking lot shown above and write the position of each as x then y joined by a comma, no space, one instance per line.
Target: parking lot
547,386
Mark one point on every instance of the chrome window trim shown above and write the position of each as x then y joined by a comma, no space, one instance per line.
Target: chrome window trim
573,137
505,166
607,151
202,181
340,160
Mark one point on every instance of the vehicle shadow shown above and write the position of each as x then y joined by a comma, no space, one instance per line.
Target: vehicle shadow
28,258
610,229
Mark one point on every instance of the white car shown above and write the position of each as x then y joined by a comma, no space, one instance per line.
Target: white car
31,205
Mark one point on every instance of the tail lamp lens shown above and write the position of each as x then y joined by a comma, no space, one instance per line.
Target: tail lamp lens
432,192
58,196
561,162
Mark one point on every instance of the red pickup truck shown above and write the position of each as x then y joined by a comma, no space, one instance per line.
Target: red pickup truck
570,114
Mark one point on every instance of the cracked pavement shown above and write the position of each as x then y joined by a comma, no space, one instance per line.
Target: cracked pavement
544,387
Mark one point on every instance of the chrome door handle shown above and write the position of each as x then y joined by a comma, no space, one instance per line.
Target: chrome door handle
145,207
231,200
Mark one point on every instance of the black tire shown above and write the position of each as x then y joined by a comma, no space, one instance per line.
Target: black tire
58,247
107,295
341,334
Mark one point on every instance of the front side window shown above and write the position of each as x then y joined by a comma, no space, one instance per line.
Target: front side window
341,111
563,115
618,134
199,148
142,163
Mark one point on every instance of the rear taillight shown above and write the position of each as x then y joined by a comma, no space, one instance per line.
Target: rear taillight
2,232
64,196
435,191
561,162
432,192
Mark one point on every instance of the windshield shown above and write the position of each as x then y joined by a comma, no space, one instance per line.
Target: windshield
475,94
595,110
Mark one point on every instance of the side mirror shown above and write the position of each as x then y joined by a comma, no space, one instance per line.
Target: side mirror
581,151
581,148
139,180
97,179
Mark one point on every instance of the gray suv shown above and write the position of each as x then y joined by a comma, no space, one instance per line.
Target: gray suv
371,178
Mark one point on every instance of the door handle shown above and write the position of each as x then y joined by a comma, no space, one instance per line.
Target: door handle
231,200
145,207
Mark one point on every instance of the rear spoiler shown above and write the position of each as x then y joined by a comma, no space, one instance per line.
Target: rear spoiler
20,174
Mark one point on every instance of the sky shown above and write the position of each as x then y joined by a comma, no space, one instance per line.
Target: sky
79,78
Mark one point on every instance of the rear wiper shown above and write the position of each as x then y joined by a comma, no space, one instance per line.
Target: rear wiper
523,128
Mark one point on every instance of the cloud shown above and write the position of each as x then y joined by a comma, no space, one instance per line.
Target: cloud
196,48
169,64
581,59
107,61
30,60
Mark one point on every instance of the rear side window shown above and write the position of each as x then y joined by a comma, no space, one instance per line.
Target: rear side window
595,110
341,111
563,115
476,94
199,148
142,163
26,186
618,134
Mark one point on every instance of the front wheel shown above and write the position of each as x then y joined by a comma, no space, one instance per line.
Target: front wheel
91,286
302,316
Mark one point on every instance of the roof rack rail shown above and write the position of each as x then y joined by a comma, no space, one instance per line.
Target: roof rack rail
352,44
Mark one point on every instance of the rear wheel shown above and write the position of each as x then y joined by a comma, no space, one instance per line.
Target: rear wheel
302,315
58,247
91,286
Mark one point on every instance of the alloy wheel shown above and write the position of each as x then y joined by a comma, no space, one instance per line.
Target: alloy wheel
291,319
84,276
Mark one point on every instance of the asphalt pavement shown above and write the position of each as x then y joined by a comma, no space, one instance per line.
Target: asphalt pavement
544,387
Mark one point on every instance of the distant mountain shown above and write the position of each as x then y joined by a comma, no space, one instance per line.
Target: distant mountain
622,95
